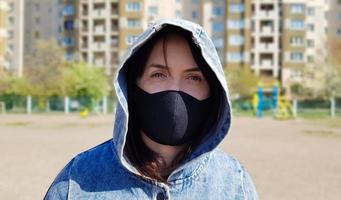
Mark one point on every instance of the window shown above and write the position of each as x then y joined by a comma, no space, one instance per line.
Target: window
195,15
218,27
68,25
236,40
297,24
296,74
235,24
134,23
310,43
37,5
296,56
68,41
153,10
133,6
236,7
37,20
218,42
178,14
68,10
311,11
297,41
297,8
235,57
37,34
218,11
69,56
338,32
310,27
310,59
195,1
131,38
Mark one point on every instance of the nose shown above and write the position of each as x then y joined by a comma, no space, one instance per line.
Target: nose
174,85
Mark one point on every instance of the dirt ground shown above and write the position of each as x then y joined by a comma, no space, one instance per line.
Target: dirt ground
295,159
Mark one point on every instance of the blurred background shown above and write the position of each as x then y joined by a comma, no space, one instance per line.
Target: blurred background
282,59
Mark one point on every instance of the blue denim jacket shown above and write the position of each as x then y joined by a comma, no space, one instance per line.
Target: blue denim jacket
103,172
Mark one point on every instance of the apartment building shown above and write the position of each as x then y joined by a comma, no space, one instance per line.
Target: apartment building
42,21
304,40
15,39
237,39
213,21
276,39
334,19
91,32
26,22
4,65
69,29
107,28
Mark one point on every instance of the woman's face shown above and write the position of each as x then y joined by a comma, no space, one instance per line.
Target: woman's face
181,73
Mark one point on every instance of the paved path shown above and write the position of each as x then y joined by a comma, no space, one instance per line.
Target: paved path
294,159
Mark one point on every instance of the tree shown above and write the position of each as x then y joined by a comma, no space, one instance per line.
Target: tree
333,69
242,82
84,81
43,70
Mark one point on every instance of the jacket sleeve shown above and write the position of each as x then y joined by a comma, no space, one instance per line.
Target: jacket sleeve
249,188
59,188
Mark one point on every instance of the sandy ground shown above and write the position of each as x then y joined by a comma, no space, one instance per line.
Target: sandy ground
296,159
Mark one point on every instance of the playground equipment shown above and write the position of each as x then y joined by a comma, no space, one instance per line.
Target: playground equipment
84,113
284,108
280,105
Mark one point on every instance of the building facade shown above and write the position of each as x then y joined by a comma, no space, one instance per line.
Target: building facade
4,8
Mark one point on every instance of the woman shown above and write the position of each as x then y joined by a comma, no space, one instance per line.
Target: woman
173,112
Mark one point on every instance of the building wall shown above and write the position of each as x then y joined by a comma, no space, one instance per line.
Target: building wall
334,19
97,33
3,35
43,21
16,36
238,33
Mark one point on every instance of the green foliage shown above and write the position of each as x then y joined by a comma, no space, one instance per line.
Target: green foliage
242,82
299,91
85,82
42,69
48,75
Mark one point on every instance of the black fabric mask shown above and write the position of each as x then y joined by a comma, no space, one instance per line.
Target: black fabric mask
170,117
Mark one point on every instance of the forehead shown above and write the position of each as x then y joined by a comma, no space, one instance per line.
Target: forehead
172,51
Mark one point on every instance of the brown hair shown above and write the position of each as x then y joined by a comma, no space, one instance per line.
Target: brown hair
146,161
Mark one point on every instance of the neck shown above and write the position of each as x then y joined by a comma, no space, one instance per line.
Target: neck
167,152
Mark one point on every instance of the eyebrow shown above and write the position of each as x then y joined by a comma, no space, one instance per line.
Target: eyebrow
160,66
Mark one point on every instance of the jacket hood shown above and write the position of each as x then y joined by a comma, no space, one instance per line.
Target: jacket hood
208,51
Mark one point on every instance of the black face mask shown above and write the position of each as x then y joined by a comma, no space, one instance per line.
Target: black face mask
170,117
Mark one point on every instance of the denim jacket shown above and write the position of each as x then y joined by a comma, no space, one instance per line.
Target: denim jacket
103,172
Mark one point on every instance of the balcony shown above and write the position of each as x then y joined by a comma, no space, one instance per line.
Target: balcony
99,46
266,64
267,47
266,30
99,29
99,62
114,30
267,14
100,13
84,45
